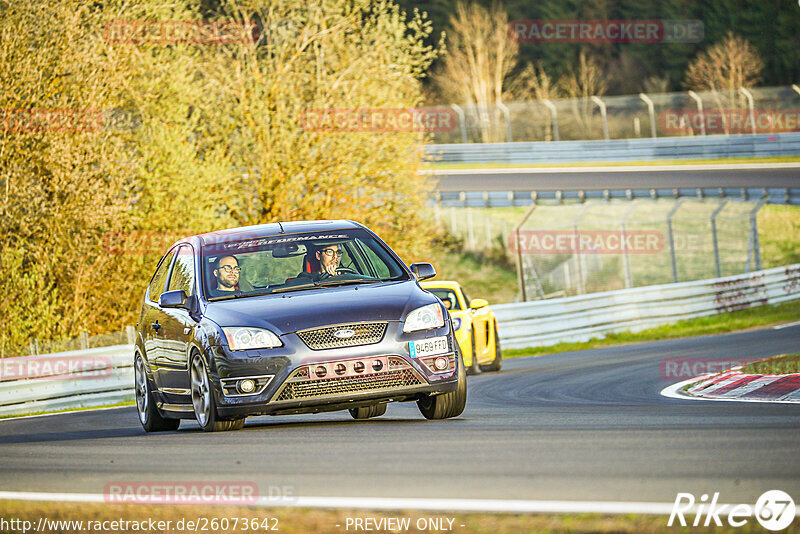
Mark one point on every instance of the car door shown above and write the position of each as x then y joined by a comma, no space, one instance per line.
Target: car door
153,318
177,328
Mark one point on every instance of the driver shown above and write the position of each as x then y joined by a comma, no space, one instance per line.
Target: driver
226,275
329,258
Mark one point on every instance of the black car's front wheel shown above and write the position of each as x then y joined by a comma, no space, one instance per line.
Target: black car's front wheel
151,419
450,404
205,407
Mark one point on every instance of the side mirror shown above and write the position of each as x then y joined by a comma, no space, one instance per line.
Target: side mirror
476,304
423,271
173,299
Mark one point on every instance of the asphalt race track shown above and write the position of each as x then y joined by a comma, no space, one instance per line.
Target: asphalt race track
588,425
619,178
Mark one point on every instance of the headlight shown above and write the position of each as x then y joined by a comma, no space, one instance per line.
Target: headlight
423,318
241,338
456,323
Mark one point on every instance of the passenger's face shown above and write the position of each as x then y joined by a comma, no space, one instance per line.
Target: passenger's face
227,273
329,257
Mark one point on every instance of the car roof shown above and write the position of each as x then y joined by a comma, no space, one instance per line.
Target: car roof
271,229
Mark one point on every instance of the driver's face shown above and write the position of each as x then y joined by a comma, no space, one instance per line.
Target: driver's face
227,274
329,257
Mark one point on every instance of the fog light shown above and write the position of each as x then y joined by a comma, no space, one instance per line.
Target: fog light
440,363
377,365
340,369
247,386
320,371
359,367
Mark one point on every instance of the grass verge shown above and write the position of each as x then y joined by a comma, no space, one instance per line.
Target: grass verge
702,326
296,520
777,365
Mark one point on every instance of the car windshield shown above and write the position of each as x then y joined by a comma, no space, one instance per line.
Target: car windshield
447,296
296,262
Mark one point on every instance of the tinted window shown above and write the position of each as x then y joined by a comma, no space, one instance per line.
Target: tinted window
182,276
160,278
447,295
293,262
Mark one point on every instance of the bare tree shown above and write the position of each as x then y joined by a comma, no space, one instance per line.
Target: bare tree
480,57
724,69
581,82
726,66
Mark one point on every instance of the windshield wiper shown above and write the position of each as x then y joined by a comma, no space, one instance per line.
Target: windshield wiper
292,288
346,282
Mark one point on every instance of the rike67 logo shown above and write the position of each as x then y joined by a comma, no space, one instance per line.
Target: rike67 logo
774,510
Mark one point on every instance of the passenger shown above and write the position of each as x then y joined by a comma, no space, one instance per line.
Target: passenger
447,303
226,274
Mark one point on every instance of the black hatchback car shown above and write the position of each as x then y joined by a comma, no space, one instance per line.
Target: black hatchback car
291,318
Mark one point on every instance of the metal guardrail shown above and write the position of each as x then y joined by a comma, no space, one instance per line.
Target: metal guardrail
498,199
102,376
66,380
576,319
646,149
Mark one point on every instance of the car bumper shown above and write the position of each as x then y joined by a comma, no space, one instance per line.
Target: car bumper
291,383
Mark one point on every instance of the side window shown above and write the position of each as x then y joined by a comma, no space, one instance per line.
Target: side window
380,266
183,272
160,278
466,299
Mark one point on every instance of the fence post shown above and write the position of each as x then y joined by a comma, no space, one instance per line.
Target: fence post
603,115
470,229
753,246
33,344
505,111
461,121
651,110
84,337
453,219
749,97
130,331
488,232
699,102
626,258
553,117
672,239
714,235
577,242
520,270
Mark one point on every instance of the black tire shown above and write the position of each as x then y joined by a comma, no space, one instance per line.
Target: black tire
376,410
450,404
474,368
149,416
203,402
497,364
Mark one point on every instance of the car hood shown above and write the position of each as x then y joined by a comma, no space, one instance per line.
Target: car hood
284,313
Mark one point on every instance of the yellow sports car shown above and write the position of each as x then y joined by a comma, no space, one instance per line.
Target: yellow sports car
475,326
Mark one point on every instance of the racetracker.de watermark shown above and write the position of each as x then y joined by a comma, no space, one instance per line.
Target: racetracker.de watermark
168,32
58,367
600,242
677,121
68,120
685,368
606,31
379,120
192,492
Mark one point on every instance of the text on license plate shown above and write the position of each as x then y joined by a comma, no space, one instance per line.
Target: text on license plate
428,347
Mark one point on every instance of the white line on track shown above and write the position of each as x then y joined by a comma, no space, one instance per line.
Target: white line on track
381,503
613,169
781,326
85,410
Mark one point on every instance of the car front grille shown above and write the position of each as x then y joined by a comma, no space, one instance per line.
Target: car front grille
399,375
324,338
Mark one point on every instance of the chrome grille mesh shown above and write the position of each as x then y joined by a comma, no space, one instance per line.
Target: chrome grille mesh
323,338
304,389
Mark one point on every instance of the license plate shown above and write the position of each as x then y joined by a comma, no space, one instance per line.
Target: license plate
428,347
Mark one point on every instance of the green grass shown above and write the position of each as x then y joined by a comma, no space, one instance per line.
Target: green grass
702,326
777,365
774,159
85,408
